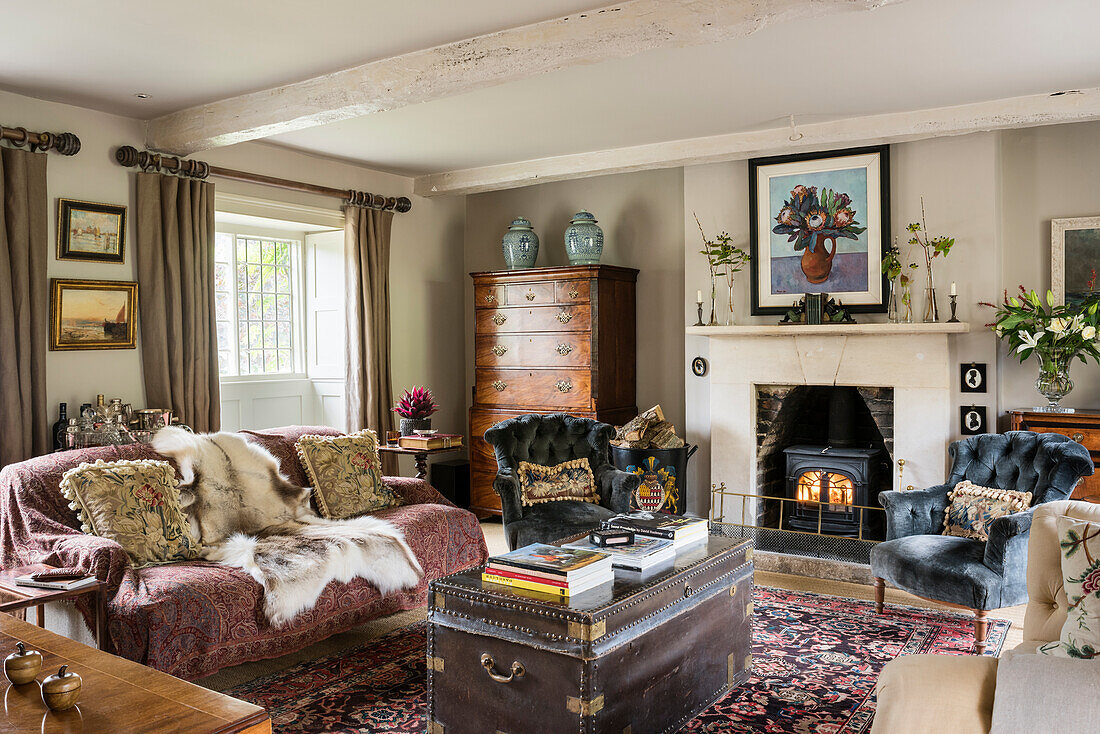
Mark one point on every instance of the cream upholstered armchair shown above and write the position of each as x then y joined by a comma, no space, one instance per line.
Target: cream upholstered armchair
963,694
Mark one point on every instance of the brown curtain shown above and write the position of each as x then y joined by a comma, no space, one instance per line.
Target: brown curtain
24,306
175,259
367,284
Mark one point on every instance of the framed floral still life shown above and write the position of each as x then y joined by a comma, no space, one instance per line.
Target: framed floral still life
91,232
1074,258
92,314
820,223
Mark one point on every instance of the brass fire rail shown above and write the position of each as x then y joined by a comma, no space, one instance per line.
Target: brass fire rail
63,143
129,156
721,492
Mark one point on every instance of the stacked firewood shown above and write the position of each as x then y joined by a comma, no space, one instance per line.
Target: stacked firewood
649,430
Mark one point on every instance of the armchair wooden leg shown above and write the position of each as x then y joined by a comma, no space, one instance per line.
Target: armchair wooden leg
880,594
981,629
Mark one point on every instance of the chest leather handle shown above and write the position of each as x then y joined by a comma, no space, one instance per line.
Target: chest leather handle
518,671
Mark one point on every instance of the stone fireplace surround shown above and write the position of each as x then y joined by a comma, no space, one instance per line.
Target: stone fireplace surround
912,359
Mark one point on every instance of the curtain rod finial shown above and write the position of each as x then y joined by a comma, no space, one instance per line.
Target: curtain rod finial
403,204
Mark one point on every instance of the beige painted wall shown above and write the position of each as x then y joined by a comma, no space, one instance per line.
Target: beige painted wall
425,270
1048,173
640,216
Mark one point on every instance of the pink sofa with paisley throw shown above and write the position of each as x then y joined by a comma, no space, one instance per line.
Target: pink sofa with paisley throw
192,619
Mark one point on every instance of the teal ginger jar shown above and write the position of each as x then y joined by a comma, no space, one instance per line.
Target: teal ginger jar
583,240
520,245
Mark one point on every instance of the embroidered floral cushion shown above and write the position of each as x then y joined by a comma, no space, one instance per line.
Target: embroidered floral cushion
346,474
973,508
1080,543
570,480
134,503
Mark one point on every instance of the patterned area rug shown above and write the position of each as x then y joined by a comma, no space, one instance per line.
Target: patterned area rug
815,662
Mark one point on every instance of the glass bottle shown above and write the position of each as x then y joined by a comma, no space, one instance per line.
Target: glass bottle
60,426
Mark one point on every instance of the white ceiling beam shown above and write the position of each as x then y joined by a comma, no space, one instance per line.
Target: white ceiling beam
615,31
897,127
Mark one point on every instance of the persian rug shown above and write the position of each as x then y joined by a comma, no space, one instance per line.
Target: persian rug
815,662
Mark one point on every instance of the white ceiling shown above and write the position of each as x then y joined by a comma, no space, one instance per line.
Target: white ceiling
914,55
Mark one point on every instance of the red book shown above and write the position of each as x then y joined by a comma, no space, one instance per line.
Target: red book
526,577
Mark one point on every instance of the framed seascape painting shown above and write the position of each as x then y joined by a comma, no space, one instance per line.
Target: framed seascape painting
92,314
1074,258
91,232
820,223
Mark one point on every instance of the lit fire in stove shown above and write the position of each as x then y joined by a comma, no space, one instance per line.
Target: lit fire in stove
823,486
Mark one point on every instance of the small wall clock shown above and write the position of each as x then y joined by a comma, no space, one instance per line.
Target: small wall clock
699,366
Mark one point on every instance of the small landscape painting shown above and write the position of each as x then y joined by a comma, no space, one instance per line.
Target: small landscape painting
89,231
819,224
92,314
1075,258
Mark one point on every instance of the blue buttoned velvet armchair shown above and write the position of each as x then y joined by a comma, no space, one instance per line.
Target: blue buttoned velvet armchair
549,440
979,576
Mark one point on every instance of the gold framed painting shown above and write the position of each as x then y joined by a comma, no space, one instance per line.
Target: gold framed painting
92,314
1074,258
91,232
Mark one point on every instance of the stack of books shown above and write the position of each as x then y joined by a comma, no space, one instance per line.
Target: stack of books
644,554
560,572
67,584
682,531
431,441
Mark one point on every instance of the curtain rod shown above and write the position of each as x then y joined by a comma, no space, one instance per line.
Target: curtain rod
130,157
63,143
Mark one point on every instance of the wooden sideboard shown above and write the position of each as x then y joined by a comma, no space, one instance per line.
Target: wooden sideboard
560,339
1083,426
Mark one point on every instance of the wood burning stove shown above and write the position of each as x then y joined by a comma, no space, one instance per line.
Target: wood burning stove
838,478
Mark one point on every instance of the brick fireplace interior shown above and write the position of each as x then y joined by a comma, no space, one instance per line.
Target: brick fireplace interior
832,442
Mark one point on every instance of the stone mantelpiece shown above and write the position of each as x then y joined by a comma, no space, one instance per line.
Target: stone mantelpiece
912,359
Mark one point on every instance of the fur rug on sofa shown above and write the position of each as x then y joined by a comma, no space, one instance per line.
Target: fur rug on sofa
249,516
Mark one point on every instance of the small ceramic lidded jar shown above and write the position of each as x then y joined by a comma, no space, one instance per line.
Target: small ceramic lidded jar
520,245
60,692
583,240
22,666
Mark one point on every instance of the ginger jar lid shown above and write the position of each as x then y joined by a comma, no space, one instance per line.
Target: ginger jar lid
583,217
520,223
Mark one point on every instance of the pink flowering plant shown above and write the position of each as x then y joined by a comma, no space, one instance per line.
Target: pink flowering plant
806,217
416,403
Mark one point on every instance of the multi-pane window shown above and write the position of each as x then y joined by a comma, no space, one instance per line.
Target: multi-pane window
255,288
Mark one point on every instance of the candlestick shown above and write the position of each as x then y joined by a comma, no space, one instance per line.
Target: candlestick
954,305
953,292
699,303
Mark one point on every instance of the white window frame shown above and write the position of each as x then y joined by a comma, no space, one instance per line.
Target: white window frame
298,293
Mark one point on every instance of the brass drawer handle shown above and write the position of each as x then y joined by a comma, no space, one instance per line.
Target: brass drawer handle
500,385
573,292
499,319
1078,437
490,297
564,349
529,295
565,317
518,671
499,350
565,385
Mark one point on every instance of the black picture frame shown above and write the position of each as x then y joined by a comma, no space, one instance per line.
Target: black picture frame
972,377
882,239
972,420
67,209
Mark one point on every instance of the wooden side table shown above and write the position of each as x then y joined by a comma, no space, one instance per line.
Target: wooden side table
420,456
15,598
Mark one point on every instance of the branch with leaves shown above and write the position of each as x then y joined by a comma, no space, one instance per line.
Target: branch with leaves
722,255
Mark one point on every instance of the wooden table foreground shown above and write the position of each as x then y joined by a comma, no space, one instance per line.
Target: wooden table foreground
118,695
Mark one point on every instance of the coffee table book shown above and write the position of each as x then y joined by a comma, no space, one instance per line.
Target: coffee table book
645,653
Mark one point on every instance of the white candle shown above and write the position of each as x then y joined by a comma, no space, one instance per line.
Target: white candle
698,296
953,291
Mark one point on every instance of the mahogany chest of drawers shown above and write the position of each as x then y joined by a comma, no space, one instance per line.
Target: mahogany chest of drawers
546,340
1083,426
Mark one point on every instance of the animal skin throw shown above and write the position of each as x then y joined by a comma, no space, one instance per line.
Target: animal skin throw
249,516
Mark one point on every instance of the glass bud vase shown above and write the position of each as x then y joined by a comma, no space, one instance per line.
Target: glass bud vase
907,304
892,314
729,314
1054,384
